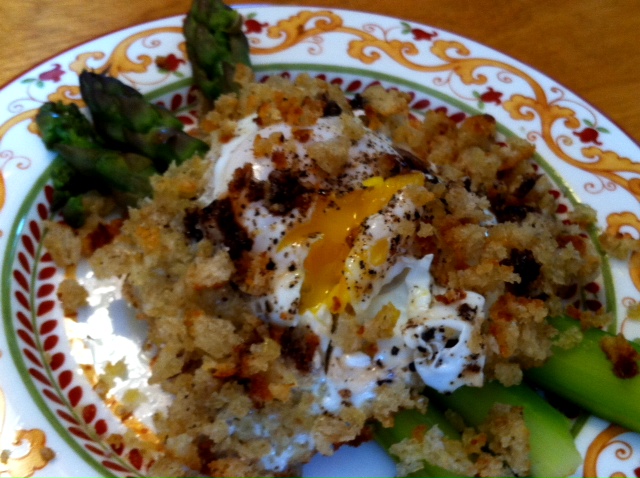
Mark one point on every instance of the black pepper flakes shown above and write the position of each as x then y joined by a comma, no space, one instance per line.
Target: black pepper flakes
357,102
191,224
428,334
234,236
526,266
331,108
451,343
466,312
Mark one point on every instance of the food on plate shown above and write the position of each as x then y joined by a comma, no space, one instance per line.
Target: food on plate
311,262
325,260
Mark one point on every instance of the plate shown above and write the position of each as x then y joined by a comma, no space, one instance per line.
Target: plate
47,400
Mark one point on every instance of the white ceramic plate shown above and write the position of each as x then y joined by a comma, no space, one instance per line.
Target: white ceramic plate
46,401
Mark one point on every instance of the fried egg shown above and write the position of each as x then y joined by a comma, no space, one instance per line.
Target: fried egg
343,248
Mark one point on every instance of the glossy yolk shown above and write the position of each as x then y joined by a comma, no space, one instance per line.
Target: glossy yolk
329,228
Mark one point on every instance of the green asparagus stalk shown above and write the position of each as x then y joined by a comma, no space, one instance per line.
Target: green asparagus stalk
127,121
73,211
584,376
406,422
64,125
125,173
83,164
67,183
61,123
553,451
215,45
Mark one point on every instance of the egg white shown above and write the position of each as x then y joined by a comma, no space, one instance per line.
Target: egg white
400,279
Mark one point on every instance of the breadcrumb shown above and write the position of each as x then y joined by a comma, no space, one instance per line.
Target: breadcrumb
63,244
72,296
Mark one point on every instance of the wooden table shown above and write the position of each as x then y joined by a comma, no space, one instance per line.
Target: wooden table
590,46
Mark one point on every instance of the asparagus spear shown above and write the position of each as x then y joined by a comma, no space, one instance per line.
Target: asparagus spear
405,422
215,45
73,211
127,121
61,124
83,164
553,451
584,376
66,182
119,173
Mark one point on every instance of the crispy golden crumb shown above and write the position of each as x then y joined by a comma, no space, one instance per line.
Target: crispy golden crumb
72,296
569,338
63,244
508,437
622,355
210,271
331,156
508,373
107,380
619,245
434,448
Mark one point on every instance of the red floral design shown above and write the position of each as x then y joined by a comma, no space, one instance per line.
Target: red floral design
592,287
254,26
588,135
491,96
169,63
52,75
422,104
418,33
456,117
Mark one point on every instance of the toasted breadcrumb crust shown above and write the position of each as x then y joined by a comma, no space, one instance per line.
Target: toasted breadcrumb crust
62,242
433,447
623,356
619,245
498,447
241,390
72,296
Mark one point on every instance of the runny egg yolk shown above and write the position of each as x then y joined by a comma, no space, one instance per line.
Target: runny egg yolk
330,226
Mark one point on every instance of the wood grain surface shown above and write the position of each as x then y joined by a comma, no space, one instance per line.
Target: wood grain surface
590,46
